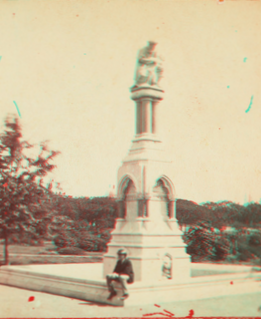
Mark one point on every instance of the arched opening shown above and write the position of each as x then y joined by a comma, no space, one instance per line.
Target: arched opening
127,192
164,191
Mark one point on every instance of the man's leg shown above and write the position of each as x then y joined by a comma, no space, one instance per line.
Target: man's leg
123,280
110,278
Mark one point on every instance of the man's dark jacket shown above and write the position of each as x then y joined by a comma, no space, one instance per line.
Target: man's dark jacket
125,268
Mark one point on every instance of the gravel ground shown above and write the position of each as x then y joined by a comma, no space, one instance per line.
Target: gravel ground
20,303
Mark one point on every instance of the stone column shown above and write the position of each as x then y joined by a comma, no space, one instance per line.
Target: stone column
153,116
171,209
121,208
146,210
140,207
146,99
174,209
138,117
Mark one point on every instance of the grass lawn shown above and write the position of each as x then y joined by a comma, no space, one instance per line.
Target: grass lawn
46,254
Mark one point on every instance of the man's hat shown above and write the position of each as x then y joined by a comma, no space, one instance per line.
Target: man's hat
122,251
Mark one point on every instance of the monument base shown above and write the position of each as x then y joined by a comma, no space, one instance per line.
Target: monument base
84,282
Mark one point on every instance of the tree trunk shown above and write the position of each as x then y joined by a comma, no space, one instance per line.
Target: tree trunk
6,247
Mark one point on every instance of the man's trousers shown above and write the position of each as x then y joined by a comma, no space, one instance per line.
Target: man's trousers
122,279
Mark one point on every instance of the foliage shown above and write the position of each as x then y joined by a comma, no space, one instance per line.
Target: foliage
24,199
79,239
220,215
97,214
71,251
204,244
63,239
221,248
254,240
190,213
83,222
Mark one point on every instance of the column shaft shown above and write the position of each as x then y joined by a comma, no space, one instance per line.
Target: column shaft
171,209
121,208
153,116
138,115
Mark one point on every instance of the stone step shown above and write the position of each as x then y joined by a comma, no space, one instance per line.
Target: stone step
94,288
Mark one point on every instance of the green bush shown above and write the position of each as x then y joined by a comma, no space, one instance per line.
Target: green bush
254,240
204,244
64,239
81,239
199,242
221,247
71,251
92,243
244,254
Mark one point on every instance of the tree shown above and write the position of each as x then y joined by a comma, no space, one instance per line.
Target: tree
22,192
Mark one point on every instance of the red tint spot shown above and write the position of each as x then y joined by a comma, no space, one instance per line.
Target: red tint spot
169,313
219,128
77,15
5,185
191,313
13,14
31,298
231,282
140,308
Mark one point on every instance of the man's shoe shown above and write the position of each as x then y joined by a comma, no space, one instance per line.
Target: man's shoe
112,294
124,296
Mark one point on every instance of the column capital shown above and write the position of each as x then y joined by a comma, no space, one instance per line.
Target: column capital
154,93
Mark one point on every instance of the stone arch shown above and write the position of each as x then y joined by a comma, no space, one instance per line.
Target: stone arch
126,190
165,191
124,184
167,183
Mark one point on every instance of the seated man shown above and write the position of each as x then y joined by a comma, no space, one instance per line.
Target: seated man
122,273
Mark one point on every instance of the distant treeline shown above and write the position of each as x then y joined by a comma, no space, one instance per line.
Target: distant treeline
219,215
86,223
77,225
101,212
72,221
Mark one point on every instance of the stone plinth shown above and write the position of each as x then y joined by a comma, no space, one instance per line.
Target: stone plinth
84,282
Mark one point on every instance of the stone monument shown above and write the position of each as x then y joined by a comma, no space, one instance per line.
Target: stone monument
147,227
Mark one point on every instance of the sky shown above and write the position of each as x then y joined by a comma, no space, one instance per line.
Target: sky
67,67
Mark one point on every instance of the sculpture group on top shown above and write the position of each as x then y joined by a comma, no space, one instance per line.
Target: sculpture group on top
149,66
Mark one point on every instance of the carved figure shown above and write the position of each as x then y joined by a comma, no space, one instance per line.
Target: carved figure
166,267
149,66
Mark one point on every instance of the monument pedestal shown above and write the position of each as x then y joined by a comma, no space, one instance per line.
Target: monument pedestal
147,227
152,248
